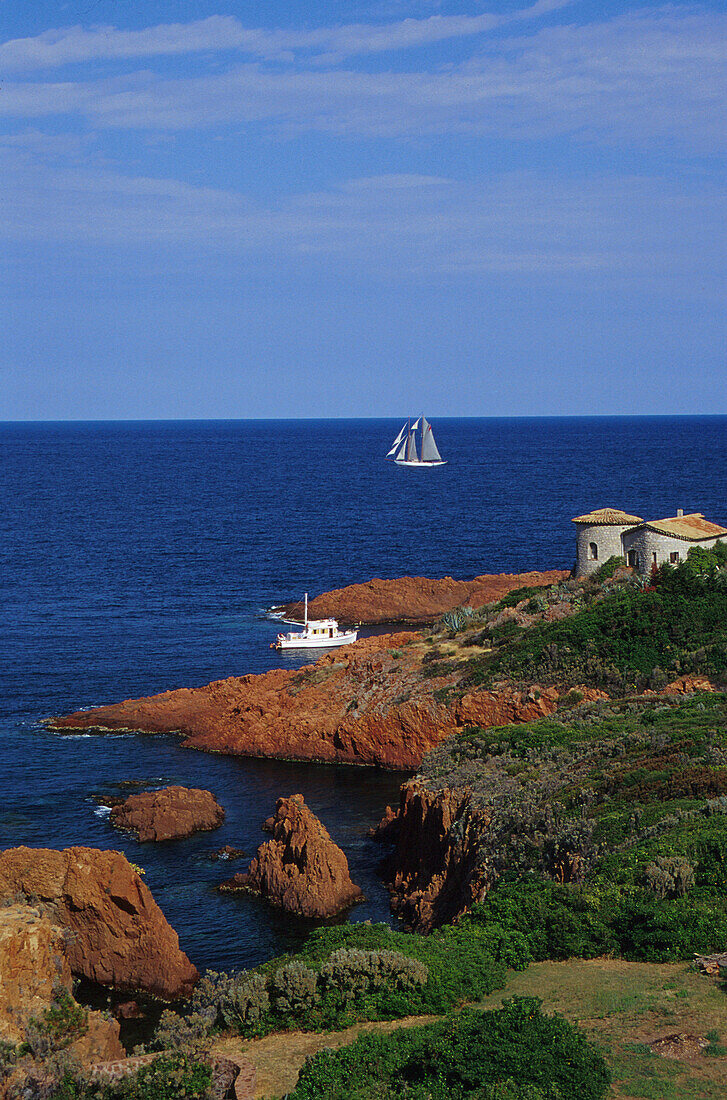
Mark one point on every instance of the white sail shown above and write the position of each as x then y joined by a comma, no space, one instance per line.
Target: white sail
430,451
415,425
397,441
411,449
402,449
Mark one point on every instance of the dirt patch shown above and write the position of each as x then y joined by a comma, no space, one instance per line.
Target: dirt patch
680,1045
278,1058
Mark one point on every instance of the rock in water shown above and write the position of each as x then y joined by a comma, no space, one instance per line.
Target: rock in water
120,937
169,814
300,869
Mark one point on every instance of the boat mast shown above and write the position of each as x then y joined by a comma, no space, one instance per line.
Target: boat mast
306,611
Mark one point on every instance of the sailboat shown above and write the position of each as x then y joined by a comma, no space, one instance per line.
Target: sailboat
404,448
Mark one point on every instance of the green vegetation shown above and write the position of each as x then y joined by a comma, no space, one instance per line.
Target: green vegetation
606,824
513,1053
345,974
623,1007
626,637
176,1076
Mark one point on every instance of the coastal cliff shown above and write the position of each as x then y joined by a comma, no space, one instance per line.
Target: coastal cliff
119,936
369,703
415,600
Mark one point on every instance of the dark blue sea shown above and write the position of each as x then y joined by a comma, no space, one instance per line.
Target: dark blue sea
136,557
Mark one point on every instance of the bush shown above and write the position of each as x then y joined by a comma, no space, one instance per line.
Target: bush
621,637
56,1028
669,876
353,973
609,567
347,973
561,922
293,989
511,1053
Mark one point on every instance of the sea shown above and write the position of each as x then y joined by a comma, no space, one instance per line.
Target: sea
141,556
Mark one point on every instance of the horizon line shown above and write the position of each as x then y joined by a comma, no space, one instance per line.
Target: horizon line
390,416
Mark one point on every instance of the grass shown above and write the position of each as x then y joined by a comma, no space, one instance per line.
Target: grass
624,1006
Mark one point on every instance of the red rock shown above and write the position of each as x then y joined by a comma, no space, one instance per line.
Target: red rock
33,968
366,704
686,685
505,706
128,1010
435,872
120,936
416,599
300,869
227,854
388,828
168,814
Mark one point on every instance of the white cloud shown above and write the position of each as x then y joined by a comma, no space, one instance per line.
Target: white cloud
660,74
70,45
388,226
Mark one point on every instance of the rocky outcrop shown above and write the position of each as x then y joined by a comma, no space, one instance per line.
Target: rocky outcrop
33,971
415,599
168,814
434,872
32,965
120,937
300,869
369,703
686,685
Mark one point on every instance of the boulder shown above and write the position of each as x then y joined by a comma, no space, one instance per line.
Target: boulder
300,869
168,814
120,937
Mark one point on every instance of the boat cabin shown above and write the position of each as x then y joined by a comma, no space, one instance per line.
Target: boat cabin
321,628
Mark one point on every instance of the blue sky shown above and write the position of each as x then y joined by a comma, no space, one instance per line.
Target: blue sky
219,209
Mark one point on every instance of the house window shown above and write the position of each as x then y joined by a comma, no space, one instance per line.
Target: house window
593,552
653,558
674,557
631,558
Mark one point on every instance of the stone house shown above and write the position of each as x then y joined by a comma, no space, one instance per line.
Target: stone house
609,532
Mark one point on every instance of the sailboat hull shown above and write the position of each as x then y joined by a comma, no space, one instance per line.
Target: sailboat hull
411,462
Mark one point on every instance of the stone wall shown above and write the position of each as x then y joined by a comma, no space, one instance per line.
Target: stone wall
649,546
607,538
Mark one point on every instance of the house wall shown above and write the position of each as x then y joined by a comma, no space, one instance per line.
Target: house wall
646,543
607,538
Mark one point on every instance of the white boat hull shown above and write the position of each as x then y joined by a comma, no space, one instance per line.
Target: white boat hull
299,641
408,462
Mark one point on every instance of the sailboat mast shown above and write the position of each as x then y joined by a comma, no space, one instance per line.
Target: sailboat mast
306,611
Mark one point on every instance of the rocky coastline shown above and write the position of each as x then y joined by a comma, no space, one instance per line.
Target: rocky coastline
117,935
414,600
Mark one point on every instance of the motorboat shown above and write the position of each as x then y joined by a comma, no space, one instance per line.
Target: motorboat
316,634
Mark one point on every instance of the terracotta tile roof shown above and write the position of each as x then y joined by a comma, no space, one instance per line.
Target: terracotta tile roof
608,517
692,528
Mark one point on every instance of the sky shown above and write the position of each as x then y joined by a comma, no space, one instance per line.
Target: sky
218,209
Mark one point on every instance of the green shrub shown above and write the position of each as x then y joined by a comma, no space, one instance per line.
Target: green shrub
625,634
511,1053
56,1028
609,567
346,973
